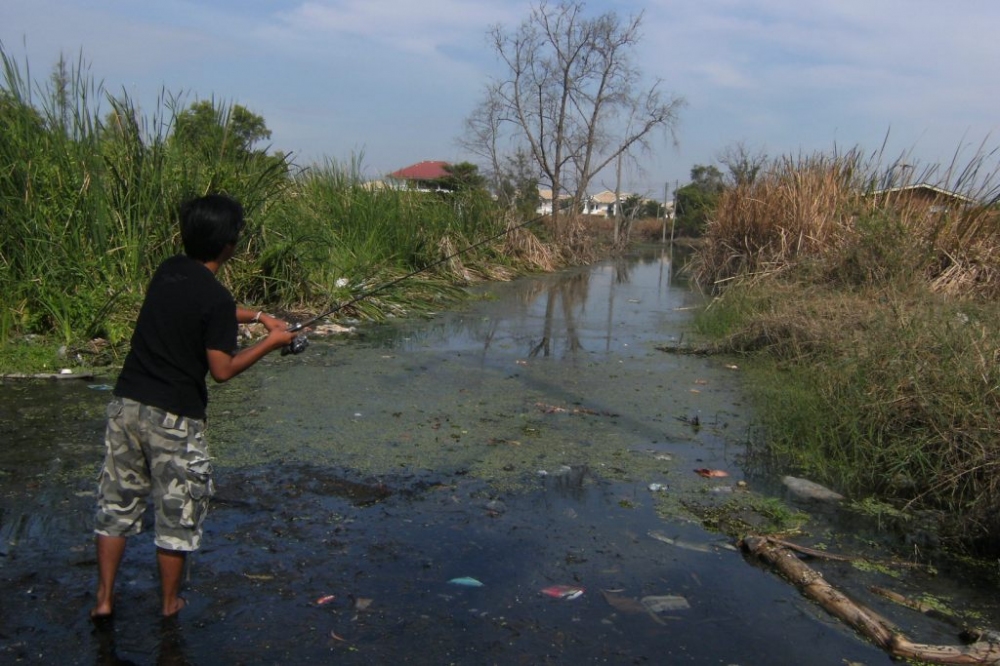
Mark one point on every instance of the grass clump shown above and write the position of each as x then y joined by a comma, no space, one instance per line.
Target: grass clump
869,310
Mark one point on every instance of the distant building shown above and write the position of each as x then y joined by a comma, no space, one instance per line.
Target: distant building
426,176
545,201
936,199
604,204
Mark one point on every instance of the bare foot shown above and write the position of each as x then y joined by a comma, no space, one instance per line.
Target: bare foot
103,610
170,610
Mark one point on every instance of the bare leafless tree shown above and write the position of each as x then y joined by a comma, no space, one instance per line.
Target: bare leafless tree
571,95
743,163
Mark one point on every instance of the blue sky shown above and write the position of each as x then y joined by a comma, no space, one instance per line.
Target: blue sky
393,80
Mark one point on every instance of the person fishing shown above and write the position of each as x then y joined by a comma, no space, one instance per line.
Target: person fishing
155,447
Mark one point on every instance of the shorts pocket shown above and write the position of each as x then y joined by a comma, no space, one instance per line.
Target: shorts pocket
199,480
114,408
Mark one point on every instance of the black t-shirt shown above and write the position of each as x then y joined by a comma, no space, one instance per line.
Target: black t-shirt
186,312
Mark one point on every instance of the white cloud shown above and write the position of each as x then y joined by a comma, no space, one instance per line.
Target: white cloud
419,28
397,77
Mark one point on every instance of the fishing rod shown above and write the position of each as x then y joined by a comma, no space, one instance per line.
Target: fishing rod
300,342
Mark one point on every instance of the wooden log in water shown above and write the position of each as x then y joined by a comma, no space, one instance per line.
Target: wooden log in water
985,651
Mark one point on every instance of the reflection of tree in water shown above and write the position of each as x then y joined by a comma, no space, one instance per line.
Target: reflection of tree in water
623,271
571,292
623,275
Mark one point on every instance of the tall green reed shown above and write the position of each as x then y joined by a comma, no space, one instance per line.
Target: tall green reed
90,186
89,202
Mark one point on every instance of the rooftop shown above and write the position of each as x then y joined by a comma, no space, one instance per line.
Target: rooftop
426,170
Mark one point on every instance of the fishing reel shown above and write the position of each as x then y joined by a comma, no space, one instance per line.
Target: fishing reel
297,346
298,343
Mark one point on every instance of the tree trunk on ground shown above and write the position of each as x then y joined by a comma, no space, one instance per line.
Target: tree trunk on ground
811,583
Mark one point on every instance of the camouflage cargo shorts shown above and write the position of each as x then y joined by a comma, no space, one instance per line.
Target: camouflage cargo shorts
151,452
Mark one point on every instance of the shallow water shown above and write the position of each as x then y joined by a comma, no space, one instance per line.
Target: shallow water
513,442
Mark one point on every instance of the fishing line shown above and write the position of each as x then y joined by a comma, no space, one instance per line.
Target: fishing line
300,342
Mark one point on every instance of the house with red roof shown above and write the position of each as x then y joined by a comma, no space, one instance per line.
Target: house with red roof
425,176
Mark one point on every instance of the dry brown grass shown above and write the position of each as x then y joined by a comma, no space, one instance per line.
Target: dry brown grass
521,243
826,209
880,316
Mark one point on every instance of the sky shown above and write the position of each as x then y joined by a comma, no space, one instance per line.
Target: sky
388,83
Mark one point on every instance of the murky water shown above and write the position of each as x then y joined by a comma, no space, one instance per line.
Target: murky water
513,442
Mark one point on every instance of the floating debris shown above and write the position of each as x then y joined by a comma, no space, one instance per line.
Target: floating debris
259,577
680,543
361,603
711,473
553,409
657,487
665,603
466,581
806,489
621,603
692,421
566,592
697,546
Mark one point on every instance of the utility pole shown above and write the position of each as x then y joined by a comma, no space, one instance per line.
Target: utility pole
673,219
663,235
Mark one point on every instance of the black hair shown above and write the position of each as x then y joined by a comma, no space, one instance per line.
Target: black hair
209,224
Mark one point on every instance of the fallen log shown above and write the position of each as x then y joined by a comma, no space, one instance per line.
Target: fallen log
986,650
913,604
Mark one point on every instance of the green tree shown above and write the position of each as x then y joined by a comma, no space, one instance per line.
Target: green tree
696,202
214,149
219,130
463,177
635,207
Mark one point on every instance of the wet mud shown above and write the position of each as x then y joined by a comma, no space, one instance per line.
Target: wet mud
534,439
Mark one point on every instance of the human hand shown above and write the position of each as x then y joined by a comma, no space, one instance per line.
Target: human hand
273,323
282,337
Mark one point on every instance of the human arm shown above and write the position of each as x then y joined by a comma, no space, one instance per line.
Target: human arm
246,316
223,366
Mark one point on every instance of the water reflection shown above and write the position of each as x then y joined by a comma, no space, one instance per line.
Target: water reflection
171,649
593,309
572,293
